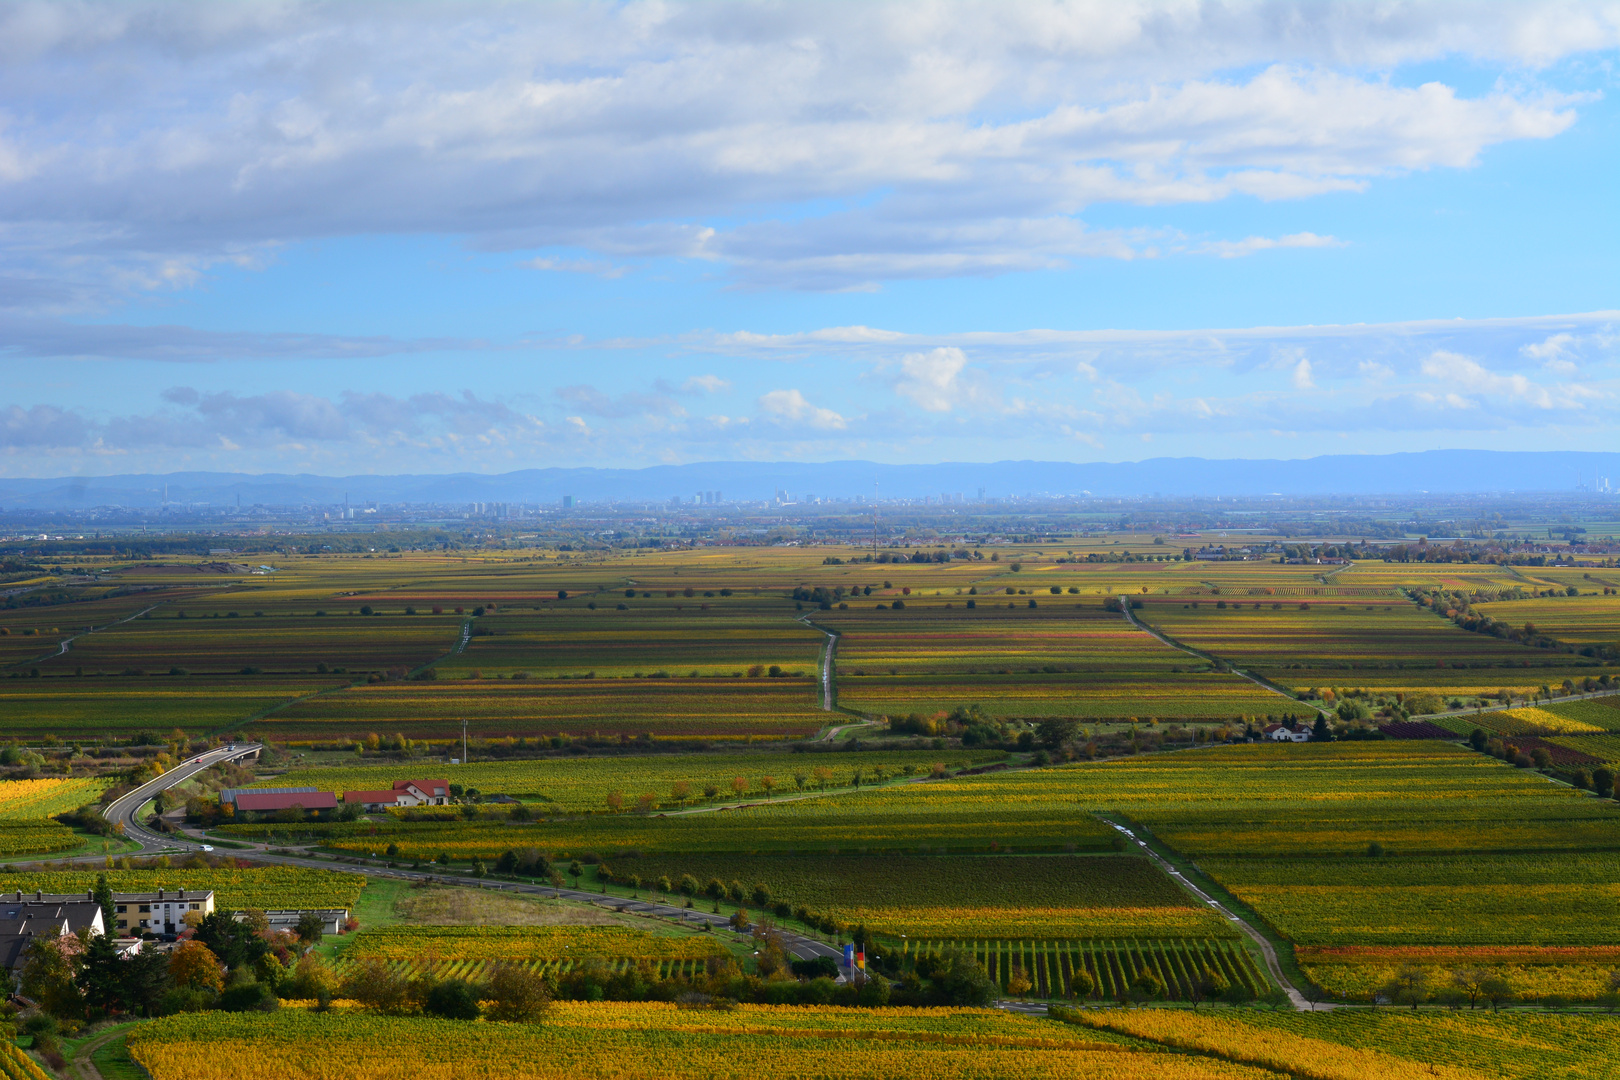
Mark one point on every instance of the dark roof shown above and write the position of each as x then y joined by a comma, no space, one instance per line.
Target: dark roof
370,796
231,794
275,800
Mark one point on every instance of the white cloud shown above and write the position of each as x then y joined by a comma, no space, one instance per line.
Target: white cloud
1471,377
968,136
709,384
1236,249
930,378
790,406
1302,375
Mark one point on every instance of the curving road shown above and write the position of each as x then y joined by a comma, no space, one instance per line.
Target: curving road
127,807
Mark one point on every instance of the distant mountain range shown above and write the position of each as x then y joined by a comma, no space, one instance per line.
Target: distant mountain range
1434,471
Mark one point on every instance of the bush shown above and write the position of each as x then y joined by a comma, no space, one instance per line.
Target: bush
249,997
453,999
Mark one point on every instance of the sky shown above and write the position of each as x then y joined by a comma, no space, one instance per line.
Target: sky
437,237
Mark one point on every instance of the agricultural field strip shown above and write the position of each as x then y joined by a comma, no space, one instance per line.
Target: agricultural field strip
583,784
597,1039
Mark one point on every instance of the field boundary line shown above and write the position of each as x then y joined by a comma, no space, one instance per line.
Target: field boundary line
63,646
828,650
1267,950
1258,680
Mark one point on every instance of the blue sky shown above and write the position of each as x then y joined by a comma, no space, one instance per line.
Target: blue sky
427,238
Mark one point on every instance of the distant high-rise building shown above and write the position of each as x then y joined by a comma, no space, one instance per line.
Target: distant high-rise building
568,502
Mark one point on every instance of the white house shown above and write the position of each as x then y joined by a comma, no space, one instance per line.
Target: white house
1284,733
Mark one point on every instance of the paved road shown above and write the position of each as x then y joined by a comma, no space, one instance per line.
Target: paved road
127,807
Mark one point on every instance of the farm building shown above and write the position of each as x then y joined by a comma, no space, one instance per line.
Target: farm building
269,800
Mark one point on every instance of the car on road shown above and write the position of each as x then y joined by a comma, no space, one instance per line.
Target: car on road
208,847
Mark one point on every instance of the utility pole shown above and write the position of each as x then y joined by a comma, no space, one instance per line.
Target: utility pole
464,742
874,518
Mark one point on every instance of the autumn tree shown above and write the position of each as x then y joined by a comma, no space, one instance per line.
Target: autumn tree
194,965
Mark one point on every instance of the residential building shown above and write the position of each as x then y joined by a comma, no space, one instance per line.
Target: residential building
22,920
422,792
1286,733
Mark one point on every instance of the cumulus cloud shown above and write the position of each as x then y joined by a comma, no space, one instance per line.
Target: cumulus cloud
1468,376
968,136
1302,375
790,406
930,378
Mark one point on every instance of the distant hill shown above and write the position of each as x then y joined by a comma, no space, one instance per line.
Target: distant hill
1435,471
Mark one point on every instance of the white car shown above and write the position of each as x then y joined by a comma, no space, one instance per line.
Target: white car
208,847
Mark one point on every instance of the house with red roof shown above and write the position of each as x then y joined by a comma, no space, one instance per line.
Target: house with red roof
422,792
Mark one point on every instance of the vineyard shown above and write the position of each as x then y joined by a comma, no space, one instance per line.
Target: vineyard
646,1040
1110,964
26,807
583,784
1067,657
1382,644
267,888
664,708
465,952
964,898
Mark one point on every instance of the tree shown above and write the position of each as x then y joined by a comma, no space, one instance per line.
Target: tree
646,802
739,785
146,980
1208,984
760,894
104,897
1471,981
1018,982
1602,780
1319,730
377,986
823,776
769,784
688,885
310,928
1477,739
1498,991
1054,732
195,965
49,966
234,943
1081,984
962,980
615,801
1237,994
1146,986
680,791
101,977
574,871
800,778
452,999
715,890
517,994
313,979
